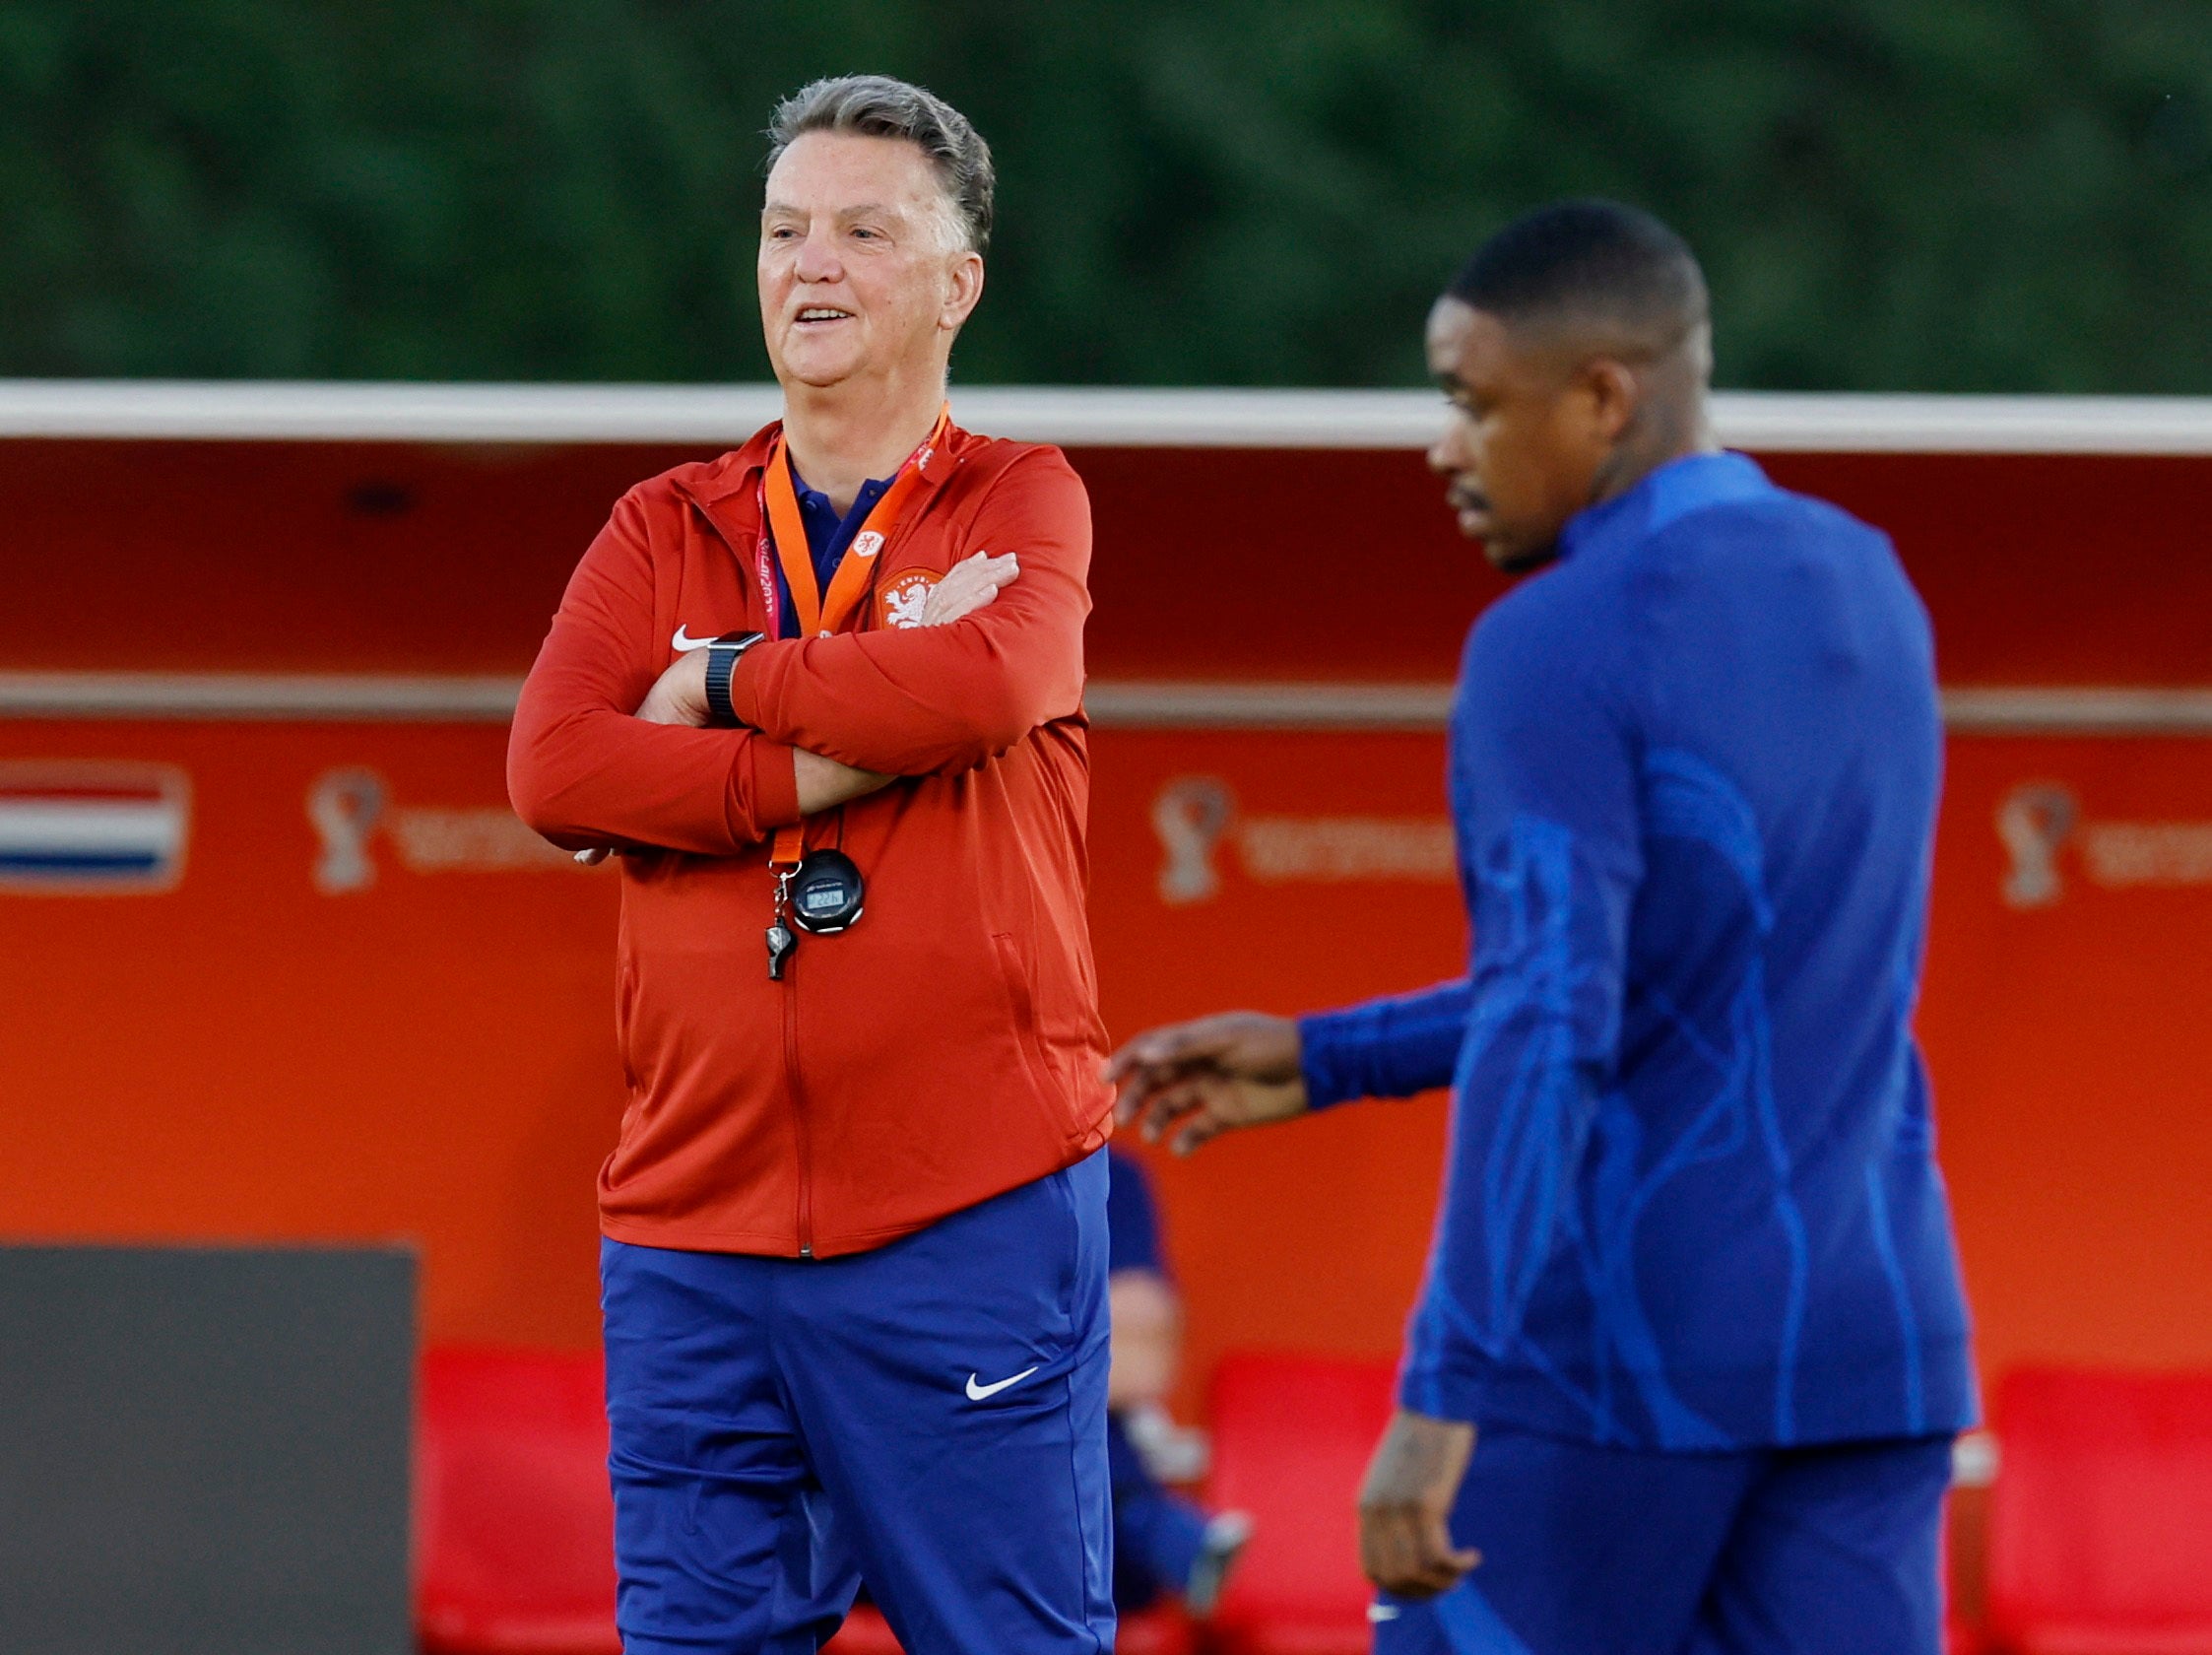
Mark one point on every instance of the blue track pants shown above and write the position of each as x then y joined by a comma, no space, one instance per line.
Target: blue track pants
930,1417
1592,1550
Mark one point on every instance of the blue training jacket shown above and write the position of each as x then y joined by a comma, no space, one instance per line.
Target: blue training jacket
1692,1201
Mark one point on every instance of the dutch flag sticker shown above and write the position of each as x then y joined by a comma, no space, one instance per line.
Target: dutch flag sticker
91,826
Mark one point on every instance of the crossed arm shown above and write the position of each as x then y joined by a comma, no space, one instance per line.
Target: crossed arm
824,783
677,701
679,697
608,751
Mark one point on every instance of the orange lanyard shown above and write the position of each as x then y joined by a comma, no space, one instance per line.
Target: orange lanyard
820,616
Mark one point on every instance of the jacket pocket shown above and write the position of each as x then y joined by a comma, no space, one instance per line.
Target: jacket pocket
626,1014
625,1049
1021,999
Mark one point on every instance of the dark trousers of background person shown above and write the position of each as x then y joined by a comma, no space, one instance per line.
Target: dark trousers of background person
1158,1534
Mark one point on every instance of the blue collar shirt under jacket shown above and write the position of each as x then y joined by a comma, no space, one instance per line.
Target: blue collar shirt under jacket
1691,1200
828,533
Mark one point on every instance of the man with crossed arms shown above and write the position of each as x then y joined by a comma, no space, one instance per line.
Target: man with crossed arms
854,1259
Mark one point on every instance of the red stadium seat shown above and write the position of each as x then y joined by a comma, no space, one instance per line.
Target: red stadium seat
865,1633
1291,1438
1156,1631
515,1523
1961,1636
2101,1520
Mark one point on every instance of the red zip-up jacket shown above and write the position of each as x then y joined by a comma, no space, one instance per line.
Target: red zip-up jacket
946,1047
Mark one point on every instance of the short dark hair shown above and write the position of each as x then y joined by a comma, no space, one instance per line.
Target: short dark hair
1588,261
878,107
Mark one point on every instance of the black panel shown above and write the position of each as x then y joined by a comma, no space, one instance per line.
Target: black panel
205,1450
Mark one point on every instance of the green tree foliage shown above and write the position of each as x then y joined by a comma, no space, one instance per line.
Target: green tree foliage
1917,194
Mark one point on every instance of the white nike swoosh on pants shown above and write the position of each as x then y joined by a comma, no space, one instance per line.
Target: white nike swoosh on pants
977,1393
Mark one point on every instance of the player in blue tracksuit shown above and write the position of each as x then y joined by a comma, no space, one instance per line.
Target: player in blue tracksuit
1693,1279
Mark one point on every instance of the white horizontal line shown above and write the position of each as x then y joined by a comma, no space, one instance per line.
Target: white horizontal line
1113,703
1775,421
1126,704
2027,711
1765,422
369,697
77,827
2082,712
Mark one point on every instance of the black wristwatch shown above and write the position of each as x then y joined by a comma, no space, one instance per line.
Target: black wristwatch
722,657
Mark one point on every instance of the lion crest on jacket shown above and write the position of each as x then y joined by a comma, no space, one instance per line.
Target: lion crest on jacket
906,599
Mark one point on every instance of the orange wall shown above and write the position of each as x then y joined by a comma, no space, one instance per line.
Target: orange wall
430,1056
2069,1045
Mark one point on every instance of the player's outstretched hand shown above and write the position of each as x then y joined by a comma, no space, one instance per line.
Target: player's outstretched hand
1189,1082
1406,1506
969,585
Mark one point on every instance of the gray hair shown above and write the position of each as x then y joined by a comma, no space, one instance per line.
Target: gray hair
878,107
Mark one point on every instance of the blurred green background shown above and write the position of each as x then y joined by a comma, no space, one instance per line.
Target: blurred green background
1889,194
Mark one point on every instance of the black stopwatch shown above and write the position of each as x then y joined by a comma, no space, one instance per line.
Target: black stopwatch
826,893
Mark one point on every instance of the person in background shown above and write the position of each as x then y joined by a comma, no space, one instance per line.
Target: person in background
1164,1542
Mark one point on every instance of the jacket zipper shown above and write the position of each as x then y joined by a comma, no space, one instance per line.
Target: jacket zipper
801,1138
797,1088
805,1138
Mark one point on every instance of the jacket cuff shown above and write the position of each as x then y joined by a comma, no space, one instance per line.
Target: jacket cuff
745,683
763,788
1438,1381
1321,1060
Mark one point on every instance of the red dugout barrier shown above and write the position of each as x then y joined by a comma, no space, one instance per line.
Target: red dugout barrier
337,991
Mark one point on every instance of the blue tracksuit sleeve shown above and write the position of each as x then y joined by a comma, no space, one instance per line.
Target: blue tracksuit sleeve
1392,1047
1544,793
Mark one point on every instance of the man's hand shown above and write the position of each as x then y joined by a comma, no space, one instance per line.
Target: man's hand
969,585
679,697
1199,1079
1406,1506
824,783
